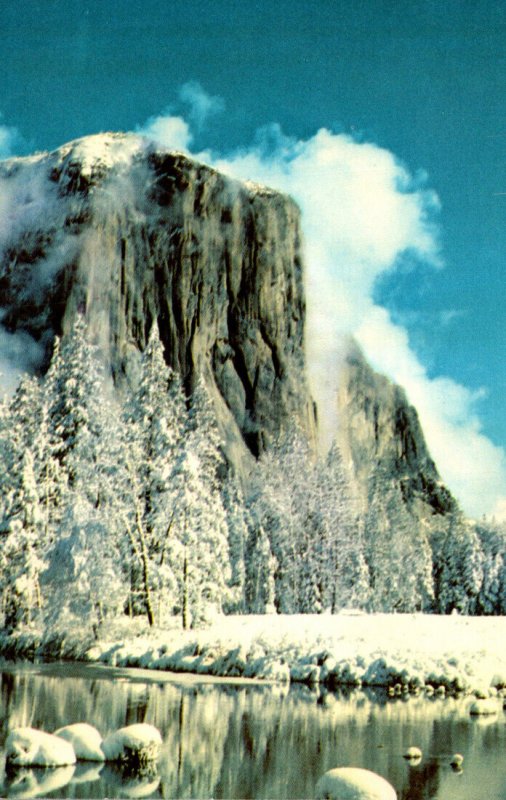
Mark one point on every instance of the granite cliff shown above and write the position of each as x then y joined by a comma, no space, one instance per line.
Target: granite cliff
379,428
129,234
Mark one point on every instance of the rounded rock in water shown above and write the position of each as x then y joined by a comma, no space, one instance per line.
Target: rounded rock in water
28,747
413,754
352,783
85,739
135,744
484,707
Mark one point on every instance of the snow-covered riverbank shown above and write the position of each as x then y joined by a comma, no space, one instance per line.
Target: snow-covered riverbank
448,653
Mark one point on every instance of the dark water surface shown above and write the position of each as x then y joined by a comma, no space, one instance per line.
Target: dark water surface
248,741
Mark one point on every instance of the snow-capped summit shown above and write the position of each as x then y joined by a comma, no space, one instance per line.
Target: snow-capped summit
100,152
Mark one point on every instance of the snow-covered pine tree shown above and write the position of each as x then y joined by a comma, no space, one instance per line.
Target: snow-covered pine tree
344,571
22,529
154,423
492,595
397,551
197,546
260,568
82,574
280,502
205,438
457,565
23,551
236,520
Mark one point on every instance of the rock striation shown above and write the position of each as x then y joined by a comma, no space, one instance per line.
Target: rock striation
130,234
379,428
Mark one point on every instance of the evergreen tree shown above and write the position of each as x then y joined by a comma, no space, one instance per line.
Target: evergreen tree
83,439
204,436
22,529
397,552
197,547
458,565
344,571
259,573
155,422
237,527
280,503
492,595
22,551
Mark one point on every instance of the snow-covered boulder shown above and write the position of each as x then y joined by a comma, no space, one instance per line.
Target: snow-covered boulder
32,748
305,673
352,783
412,754
482,707
85,739
137,744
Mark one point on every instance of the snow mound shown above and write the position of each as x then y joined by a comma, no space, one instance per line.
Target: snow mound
485,707
85,739
136,744
412,754
32,748
351,783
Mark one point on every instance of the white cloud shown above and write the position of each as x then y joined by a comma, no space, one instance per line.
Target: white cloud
201,104
168,131
173,131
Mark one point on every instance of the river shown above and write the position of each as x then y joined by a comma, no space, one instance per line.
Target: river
239,740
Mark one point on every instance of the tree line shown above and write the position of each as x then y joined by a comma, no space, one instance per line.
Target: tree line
113,506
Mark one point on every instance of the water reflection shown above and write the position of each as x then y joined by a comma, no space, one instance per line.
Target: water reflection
229,741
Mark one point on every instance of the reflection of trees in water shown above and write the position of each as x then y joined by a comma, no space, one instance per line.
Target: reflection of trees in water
422,783
226,741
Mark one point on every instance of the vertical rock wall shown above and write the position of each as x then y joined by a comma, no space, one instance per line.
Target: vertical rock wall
131,234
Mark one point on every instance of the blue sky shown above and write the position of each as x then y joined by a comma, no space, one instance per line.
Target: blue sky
413,92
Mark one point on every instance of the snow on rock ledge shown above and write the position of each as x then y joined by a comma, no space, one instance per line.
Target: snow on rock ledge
351,783
136,744
85,739
28,747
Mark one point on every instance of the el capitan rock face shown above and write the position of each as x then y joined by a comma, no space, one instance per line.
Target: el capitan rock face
129,233
378,427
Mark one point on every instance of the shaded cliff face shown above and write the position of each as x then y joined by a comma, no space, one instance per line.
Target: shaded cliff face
129,234
378,428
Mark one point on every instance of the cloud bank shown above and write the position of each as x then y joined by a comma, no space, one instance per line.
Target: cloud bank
362,213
